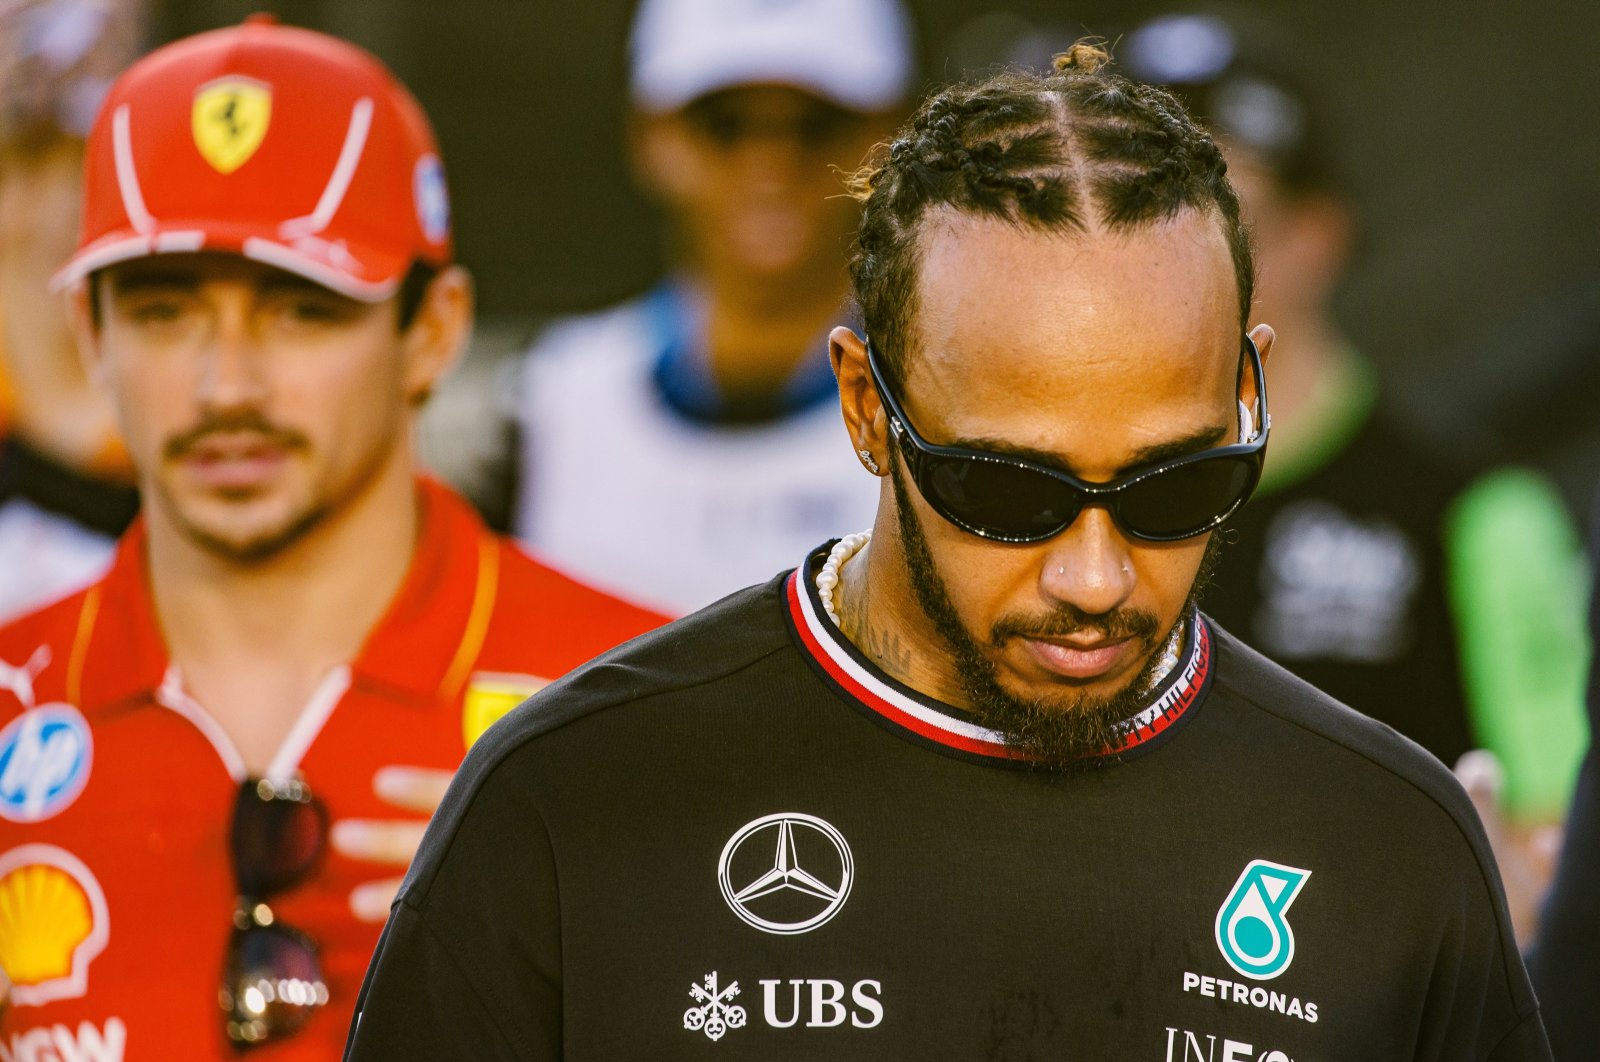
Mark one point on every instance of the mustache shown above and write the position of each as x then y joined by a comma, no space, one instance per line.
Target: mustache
1066,620
232,424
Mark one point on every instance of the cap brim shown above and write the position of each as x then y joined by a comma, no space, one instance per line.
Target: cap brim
367,274
674,81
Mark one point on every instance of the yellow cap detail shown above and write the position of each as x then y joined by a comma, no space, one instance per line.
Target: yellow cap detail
490,696
230,120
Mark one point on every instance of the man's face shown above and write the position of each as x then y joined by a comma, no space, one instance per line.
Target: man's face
748,174
254,402
1096,353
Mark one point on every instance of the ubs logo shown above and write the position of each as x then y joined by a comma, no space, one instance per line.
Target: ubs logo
716,1014
786,873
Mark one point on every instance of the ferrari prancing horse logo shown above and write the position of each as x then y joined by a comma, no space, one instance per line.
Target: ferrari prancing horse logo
230,120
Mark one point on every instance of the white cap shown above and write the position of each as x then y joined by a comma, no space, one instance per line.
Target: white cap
856,53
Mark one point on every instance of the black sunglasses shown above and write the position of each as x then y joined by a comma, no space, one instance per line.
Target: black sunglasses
272,982
1011,499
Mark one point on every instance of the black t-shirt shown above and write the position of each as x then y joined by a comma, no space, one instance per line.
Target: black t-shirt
1341,578
736,838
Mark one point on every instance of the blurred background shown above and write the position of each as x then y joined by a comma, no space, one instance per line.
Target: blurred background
1468,142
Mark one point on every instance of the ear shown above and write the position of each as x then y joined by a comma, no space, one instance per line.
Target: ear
85,330
1263,336
659,156
864,416
439,334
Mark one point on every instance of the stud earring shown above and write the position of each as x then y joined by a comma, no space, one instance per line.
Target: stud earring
868,460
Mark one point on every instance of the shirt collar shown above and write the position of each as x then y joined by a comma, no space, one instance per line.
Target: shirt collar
117,651
421,650
927,721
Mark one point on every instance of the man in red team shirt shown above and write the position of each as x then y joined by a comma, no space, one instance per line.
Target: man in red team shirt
201,755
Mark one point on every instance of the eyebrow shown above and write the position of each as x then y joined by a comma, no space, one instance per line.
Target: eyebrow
1192,443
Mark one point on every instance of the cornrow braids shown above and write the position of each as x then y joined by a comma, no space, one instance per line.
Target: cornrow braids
1057,151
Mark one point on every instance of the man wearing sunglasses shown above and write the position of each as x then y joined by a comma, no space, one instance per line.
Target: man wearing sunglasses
983,784
215,762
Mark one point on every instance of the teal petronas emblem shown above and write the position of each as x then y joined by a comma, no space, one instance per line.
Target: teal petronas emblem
1252,925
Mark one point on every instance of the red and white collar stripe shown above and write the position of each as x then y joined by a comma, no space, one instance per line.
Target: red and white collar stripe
901,708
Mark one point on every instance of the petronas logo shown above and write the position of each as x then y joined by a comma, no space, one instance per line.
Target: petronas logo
1252,925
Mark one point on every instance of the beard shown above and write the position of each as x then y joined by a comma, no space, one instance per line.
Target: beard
1054,733
239,542
249,548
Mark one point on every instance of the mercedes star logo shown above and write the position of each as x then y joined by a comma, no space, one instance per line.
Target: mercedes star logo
786,873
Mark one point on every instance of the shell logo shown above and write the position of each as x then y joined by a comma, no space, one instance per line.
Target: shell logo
53,923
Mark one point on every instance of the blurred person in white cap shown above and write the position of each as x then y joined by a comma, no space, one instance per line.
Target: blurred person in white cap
65,488
216,761
675,448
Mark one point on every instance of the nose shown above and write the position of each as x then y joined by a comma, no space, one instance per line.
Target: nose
231,375
770,158
1089,565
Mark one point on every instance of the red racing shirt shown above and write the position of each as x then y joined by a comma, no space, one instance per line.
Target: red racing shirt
117,788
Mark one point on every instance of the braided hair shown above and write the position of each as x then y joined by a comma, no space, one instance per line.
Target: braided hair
1058,151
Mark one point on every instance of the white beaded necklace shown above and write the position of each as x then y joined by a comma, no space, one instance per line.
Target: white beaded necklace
828,577
850,545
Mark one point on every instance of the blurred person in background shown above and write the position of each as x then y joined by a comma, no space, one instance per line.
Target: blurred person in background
1565,962
1442,602
216,761
677,447
65,488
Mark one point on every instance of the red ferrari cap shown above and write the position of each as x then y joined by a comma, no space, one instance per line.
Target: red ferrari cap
286,146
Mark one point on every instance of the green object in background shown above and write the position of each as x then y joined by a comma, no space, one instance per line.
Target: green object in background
1519,588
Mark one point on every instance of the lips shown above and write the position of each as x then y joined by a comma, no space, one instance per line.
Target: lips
1081,660
234,460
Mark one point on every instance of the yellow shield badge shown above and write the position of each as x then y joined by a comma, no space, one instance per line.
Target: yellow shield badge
489,696
230,120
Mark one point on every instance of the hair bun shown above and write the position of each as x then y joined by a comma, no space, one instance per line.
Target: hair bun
1084,57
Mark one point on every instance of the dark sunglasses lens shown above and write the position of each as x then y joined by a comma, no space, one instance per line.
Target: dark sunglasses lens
273,984
997,498
1188,499
276,838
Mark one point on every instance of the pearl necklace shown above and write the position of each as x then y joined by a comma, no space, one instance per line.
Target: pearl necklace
850,545
828,577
